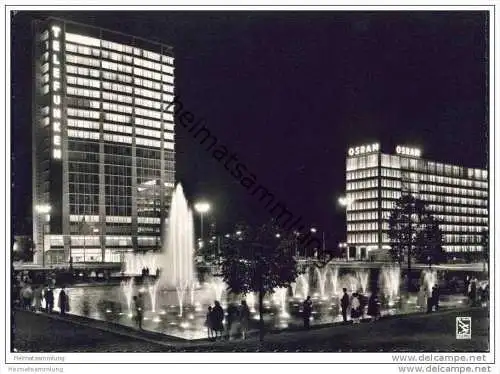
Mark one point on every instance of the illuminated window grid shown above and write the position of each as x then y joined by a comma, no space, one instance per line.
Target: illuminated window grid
153,85
363,191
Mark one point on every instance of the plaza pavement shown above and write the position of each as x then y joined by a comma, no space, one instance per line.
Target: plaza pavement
419,332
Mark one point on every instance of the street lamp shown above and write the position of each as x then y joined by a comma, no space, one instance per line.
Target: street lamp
43,209
202,208
296,234
323,243
346,202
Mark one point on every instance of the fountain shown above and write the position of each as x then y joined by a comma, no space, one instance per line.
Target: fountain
250,298
321,275
279,297
390,278
218,286
180,290
363,277
303,282
176,263
429,278
294,288
152,289
334,279
192,293
127,288
350,282
134,263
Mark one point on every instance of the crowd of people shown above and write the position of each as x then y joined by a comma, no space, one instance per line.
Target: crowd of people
237,320
428,298
38,297
478,292
355,305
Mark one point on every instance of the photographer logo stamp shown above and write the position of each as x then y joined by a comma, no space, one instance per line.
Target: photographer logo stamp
463,328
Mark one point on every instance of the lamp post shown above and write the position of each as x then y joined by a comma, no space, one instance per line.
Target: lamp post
202,208
323,242
43,209
346,202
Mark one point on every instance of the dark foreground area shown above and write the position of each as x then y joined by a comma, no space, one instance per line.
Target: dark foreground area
423,332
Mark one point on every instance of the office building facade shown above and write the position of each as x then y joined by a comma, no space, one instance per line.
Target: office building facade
456,196
103,142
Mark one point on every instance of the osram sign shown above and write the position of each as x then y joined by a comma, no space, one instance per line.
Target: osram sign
362,149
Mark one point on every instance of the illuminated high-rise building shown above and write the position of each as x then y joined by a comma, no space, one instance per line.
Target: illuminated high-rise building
456,196
103,142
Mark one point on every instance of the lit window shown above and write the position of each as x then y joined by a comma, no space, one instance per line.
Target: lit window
81,39
44,36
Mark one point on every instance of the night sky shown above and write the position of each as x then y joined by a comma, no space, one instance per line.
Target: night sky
290,91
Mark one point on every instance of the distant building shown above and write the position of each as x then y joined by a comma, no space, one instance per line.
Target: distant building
103,142
457,196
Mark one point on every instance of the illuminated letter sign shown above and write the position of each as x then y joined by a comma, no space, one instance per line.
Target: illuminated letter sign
407,151
369,148
56,96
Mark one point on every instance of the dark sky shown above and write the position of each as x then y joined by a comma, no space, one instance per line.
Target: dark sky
290,91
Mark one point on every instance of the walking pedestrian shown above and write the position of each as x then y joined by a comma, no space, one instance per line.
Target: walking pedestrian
355,308
218,320
467,286
27,295
307,311
244,318
37,298
428,298
421,298
374,306
231,318
209,323
473,292
49,299
344,304
63,301
139,310
435,297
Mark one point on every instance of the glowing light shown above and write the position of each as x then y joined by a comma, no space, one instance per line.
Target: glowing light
369,148
202,207
44,208
407,151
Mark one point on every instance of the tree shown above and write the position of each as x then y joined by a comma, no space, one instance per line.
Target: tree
485,247
408,218
429,242
258,260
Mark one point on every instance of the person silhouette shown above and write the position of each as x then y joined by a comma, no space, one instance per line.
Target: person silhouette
307,311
